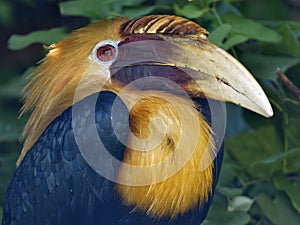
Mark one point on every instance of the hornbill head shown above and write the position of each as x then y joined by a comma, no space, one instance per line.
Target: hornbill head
157,65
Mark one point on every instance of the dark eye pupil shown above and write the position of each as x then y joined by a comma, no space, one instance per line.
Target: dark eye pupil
106,53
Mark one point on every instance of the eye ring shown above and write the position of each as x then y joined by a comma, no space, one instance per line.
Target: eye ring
106,53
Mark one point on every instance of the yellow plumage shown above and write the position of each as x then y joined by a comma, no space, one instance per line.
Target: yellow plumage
171,168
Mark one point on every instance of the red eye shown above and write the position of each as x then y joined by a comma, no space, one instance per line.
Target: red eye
106,53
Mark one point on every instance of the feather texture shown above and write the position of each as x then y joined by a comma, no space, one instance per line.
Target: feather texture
53,84
168,163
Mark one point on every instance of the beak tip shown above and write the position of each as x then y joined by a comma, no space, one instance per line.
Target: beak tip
269,112
264,110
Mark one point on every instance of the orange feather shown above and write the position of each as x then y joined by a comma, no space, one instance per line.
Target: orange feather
171,167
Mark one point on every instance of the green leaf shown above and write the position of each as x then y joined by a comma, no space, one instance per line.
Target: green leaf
292,129
227,175
292,189
47,37
261,186
293,25
240,203
265,67
225,7
89,8
217,216
278,211
251,29
290,43
293,106
254,146
234,40
190,11
218,35
230,192
96,9
133,12
280,157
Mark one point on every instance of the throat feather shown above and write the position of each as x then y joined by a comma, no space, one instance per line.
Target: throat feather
165,180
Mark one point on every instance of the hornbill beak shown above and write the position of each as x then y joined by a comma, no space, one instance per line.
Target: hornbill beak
198,66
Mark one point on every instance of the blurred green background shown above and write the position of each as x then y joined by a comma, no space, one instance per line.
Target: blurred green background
260,179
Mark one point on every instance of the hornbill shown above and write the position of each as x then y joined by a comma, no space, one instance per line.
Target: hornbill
126,125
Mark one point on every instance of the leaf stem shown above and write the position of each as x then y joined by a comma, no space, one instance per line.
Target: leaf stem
278,106
234,53
289,84
219,20
286,142
216,14
296,92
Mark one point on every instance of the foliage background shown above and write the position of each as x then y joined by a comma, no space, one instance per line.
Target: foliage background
260,180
